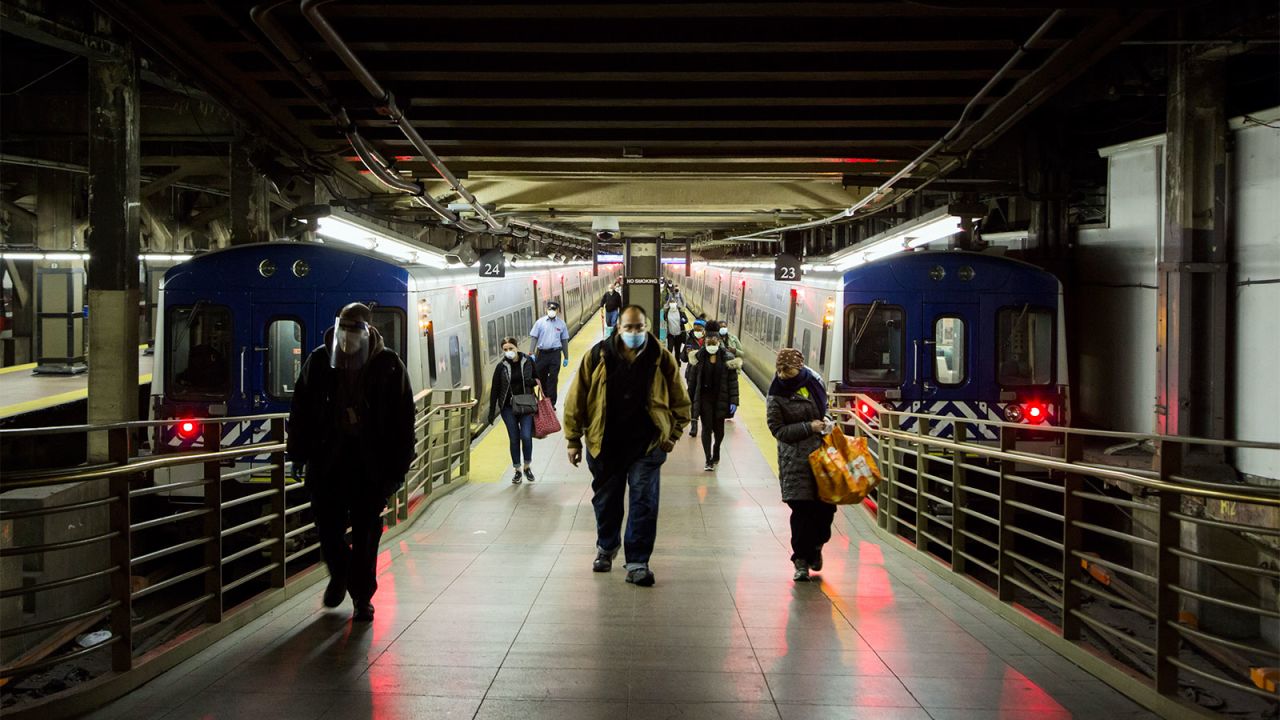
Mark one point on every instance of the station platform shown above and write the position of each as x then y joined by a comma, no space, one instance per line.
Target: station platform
488,609
23,392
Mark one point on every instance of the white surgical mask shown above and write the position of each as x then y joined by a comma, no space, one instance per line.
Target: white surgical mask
713,349
724,331
551,313
511,354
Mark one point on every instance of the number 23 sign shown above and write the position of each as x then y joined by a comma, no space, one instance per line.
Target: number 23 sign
493,265
786,268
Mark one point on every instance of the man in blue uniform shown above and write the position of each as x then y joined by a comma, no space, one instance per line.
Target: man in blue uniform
550,349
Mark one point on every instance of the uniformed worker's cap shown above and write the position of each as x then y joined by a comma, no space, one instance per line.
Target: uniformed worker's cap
553,305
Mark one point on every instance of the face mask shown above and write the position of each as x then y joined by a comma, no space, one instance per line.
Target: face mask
724,331
633,340
551,313
350,347
698,333
713,349
511,354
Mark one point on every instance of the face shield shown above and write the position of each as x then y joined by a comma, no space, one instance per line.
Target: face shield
350,347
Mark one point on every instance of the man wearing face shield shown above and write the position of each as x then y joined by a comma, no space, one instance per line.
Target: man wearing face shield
550,349
628,407
352,425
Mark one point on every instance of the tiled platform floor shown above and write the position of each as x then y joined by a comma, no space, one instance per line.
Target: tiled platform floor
488,609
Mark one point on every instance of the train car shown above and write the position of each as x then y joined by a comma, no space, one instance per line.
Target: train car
949,333
236,325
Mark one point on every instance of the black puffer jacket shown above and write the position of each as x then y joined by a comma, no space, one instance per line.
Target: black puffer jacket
789,419
500,385
726,393
386,433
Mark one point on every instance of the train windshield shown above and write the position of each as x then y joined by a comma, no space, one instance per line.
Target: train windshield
199,350
390,324
875,344
1025,352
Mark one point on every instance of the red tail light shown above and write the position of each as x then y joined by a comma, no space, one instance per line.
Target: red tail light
865,410
187,429
1035,412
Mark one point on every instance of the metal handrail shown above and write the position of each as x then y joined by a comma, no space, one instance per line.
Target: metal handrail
1038,513
255,533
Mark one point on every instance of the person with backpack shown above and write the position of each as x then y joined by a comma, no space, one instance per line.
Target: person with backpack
627,408
676,322
512,396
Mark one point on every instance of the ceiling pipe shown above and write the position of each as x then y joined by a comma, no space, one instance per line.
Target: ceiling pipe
887,187
317,90
311,10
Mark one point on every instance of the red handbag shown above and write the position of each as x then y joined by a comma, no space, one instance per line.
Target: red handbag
545,421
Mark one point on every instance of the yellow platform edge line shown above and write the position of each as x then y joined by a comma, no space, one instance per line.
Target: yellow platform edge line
45,403
32,366
752,415
490,459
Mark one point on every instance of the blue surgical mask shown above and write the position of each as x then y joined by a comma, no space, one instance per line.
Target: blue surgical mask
633,340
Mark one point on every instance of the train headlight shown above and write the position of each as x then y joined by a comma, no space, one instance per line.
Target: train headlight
301,268
1013,413
266,268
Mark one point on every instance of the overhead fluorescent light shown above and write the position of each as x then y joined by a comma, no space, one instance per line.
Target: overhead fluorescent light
348,229
925,229
164,257
22,256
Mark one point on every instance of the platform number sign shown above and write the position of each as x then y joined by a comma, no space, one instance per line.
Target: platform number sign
493,265
786,268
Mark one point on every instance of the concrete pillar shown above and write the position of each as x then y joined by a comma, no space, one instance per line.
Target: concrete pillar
114,237
250,206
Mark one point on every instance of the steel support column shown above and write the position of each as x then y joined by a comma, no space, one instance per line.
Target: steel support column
1192,305
114,147
250,206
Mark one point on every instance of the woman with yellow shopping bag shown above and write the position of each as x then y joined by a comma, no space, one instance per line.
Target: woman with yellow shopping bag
796,411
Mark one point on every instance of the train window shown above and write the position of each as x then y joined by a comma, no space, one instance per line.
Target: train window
805,342
199,349
1024,355
283,359
491,334
455,360
775,333
390,324
948,351
876,344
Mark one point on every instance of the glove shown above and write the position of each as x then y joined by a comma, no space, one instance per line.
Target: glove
732,408
565,363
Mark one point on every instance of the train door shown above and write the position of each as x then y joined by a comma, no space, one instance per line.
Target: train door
791,320
944,355
270,366
477,359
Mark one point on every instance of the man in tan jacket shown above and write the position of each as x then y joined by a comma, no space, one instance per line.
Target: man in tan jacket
629,405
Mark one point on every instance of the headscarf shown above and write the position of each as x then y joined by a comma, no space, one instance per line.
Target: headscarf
791,359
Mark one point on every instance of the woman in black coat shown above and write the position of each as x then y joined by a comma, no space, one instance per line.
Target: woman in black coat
514,376
796,412
715,395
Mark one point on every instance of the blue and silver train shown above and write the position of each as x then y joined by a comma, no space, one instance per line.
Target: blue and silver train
236,325
951,333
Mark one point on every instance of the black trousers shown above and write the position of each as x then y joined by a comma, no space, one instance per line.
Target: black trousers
712,428
547,369
675,343
810,527
337,504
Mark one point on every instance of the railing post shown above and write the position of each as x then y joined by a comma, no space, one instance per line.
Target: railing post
1004,588
1169,459
465,444
923,426
278,504
890,469
121,552
212,434
1072,537
958,500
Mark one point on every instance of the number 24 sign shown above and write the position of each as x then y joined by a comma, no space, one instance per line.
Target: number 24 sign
493,265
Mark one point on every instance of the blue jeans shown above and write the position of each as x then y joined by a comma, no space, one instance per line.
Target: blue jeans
610,319
643,478
520,433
